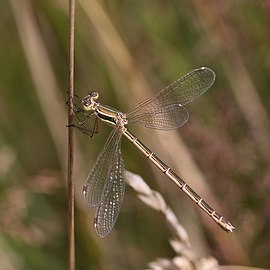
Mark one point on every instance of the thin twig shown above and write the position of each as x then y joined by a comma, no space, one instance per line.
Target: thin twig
70,137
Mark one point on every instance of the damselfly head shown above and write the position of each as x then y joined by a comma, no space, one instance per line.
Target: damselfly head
94,95
89,101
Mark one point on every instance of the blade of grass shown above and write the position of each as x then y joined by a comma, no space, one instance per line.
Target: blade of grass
42,73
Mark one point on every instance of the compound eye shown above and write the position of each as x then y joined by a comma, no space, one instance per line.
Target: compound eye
94,95
86,101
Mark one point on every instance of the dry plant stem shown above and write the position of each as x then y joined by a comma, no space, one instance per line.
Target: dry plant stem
70,137
44,81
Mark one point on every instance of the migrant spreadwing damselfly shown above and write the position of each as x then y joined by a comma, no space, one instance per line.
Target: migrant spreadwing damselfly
105,184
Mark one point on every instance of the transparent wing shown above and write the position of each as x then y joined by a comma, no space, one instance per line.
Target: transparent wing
83,116
109,208
100,179
182,91
166,118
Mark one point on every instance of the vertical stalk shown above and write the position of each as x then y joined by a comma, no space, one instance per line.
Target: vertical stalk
70,138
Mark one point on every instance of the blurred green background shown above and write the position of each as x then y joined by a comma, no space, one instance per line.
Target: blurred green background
128,50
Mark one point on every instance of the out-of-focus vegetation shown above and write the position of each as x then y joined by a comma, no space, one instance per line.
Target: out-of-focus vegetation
123,49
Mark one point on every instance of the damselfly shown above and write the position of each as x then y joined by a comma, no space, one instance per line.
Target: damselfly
105,185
